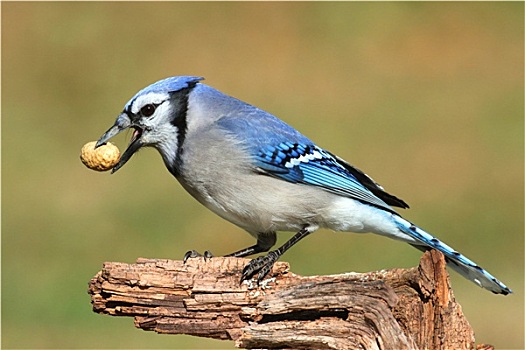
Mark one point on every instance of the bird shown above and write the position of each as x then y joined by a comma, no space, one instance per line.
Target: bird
259,173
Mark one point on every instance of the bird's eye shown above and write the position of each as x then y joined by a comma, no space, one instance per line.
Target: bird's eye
148,110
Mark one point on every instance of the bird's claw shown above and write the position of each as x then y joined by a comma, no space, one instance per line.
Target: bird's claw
195,254
261,266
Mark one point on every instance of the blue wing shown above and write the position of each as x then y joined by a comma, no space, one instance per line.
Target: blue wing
281,151
311,165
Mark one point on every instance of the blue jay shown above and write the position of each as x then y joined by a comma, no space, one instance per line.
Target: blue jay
254,170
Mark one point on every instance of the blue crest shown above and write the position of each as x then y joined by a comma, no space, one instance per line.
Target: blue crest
170,84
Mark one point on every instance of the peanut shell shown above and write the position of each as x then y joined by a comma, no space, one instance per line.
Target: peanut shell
103,158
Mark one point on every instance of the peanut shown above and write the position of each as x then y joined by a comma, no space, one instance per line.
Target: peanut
103,158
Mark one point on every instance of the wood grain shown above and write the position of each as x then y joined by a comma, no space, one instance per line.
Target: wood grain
389,309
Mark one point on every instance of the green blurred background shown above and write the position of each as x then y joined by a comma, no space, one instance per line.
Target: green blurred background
427,98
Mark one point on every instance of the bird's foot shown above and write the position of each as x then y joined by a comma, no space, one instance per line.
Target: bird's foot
261,266
195,254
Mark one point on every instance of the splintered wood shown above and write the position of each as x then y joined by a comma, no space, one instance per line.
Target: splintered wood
390,309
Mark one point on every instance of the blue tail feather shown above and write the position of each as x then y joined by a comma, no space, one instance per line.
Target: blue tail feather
457,261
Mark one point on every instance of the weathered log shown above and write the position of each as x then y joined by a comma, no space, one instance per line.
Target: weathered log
389,309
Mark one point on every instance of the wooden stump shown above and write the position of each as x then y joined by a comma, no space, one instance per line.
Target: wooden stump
389,309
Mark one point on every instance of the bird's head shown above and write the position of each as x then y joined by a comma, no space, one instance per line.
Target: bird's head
157,116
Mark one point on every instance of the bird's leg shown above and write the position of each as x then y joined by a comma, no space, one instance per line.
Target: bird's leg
195,254
264,242
263,264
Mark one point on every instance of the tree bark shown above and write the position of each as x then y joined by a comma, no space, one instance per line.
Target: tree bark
389,309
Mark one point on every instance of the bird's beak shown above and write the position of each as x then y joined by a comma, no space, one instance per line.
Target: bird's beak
122,123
